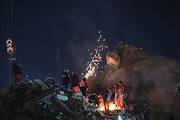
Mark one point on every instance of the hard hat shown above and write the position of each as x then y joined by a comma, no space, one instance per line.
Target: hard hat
120,82
51,74
84,79
66,70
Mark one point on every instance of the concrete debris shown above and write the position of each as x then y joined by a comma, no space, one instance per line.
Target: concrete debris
4,91
147,77
27,101
41,84
62,97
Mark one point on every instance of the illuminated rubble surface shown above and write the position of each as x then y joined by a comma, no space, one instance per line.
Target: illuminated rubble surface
25,101
147,77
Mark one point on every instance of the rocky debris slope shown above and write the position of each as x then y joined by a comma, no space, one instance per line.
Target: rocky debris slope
146,76
25,101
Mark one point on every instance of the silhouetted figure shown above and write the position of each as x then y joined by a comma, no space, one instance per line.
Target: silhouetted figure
83,86
16,73
119,94
74,81
65,79
50,81
106,94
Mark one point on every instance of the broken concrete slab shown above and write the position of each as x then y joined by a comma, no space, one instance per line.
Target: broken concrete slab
62,97
62,107
25,101
40,83
4,91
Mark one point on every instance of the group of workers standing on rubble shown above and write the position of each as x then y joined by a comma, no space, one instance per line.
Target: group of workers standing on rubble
74,82
76,85
71,81
119,95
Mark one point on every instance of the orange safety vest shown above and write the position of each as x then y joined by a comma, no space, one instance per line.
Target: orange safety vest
82,84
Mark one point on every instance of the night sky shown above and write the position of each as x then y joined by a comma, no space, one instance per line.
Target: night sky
53,35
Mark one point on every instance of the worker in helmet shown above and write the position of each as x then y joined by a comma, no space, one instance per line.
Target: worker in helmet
106,94
74,81
119,94
66,78
50,81
116,93
83,86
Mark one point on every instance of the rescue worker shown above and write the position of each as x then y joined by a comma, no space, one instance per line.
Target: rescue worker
65,79
16,72
116,92
50,81
74,81
106,94
83,86
119,94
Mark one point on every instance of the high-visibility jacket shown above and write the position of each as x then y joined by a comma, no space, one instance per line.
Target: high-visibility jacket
82,84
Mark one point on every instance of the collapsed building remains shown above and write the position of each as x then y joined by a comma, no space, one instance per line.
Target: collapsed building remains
26,101
147,77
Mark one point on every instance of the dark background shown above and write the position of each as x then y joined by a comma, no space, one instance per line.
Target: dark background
54,35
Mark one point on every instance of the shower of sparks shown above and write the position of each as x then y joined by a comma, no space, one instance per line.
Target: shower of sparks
96,58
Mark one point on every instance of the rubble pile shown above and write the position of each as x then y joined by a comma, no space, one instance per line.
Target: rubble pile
147,77
25,101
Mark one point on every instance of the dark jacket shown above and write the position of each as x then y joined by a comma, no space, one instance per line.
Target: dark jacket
66,78
74,80
16,69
